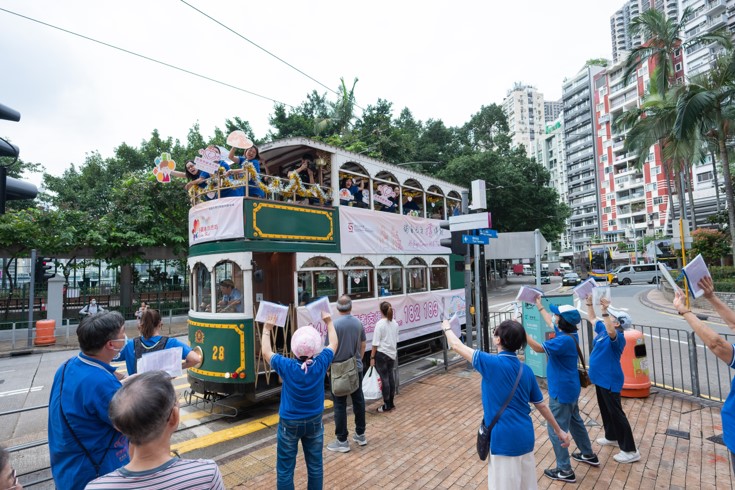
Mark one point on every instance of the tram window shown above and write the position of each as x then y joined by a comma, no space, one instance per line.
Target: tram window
439,275
416,276
229,288
390,281
326,284
202,287
358,283
386,197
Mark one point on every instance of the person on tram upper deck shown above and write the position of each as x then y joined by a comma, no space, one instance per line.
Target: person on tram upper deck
202,179
252,155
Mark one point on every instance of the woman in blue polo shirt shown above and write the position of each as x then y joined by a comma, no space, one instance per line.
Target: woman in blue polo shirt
607,375
511,461
151,340
564,388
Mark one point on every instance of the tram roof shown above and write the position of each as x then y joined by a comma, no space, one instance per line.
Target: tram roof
285,152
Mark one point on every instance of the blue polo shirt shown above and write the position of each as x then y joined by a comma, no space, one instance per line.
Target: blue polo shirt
302,396
127,353
728,413
238,192
605,369
561,371
89,385
513,434
253,189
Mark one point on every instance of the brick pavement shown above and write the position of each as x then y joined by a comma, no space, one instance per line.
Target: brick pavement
428,443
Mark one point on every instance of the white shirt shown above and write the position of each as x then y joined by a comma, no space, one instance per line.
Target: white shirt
385,337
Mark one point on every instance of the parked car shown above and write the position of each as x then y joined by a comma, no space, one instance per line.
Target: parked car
545,279
627,274
571,279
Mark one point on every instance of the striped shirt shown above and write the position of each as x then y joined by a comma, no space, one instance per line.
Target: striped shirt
194,474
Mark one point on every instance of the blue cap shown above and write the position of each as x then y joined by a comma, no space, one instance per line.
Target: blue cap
567,312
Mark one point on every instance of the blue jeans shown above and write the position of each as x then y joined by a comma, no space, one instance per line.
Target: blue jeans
311,434
340,412
567,416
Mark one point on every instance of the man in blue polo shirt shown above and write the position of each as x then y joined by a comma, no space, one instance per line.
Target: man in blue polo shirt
564,389
82,441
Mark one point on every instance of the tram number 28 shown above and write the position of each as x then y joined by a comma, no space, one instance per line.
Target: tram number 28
218,352
412,313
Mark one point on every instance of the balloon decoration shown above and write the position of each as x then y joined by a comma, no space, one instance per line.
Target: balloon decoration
163,168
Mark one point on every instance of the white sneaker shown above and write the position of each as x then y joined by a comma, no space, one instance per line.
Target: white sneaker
627,457
606,442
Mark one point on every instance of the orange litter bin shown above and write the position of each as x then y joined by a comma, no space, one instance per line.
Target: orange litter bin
45,332
634,362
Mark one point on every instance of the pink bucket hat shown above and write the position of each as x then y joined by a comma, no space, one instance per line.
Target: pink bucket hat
306,342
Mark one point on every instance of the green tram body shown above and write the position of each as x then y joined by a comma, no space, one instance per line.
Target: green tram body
278,246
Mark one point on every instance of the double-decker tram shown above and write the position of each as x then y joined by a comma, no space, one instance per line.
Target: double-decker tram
326,222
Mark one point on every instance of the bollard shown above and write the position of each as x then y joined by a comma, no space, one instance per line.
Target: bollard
634,362
45,334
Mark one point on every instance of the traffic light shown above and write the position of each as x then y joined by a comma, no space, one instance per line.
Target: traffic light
455,242
42,273
11,188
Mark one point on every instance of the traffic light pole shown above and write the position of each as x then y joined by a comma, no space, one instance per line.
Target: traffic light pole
31,298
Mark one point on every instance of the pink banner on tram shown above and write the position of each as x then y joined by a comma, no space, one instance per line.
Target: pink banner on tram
366,231
219,219
416,314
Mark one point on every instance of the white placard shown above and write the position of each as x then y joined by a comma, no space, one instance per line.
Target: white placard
317,307
528,294
585,289
168,360
665,272
601,292
694,271
267,309
455,325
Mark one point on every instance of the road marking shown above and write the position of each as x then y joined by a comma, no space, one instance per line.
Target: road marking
8,371
194,415
231,433
21,391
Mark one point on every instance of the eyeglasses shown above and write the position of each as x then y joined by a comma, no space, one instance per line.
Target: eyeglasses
15,480
121,340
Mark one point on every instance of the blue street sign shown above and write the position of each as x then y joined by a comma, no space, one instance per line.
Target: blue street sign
475,240
488,232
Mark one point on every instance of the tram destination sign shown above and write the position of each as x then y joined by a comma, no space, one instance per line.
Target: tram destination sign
466,222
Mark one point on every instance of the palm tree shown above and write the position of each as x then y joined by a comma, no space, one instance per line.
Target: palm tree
710,102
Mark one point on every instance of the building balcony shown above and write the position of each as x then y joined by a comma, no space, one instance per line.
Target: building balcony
715,7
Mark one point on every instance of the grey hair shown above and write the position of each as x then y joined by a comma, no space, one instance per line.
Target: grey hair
344,304
142,407
94,331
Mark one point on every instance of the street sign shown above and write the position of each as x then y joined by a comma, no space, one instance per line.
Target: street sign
475,240
488,232
465,222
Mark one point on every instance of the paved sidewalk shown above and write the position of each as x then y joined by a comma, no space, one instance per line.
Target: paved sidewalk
428,443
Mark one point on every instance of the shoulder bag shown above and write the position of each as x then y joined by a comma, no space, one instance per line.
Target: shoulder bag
584,377
484,432
345,379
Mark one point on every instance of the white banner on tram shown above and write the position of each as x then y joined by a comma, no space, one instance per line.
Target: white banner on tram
364,231
416,314
219,219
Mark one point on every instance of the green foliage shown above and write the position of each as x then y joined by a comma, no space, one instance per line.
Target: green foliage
712,244
597,62
723,279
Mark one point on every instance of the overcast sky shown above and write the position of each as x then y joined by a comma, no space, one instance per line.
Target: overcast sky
442,60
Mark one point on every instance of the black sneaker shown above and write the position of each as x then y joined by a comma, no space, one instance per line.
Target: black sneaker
557,474
583,458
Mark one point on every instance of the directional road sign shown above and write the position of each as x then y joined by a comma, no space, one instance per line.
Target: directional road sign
465,222
475,240
488,233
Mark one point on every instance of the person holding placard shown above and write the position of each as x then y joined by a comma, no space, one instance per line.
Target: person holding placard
719,346
252,156
302,399
564,388
203,177
150,340
384,353
511,463
607,375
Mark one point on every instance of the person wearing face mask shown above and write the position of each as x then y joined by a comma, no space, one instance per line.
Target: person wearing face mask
83,443
303,296
91,309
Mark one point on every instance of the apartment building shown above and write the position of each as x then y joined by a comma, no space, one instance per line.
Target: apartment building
524,108
552,111
581,155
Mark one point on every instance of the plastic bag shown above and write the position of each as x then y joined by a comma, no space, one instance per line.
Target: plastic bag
371,385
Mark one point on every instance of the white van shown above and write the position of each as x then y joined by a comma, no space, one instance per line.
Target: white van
628,274
563,268
527,270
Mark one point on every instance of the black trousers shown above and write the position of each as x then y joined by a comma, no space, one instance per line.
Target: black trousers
385,365
617,427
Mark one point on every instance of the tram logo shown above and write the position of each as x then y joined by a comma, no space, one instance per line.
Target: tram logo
199,337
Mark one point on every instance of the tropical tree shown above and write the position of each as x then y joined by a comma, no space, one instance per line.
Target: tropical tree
709,102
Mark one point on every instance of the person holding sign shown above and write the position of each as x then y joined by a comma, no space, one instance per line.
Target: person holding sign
384,354
151,340
607,375
252,156
511,461
302,399
231,298
719,346
564,389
